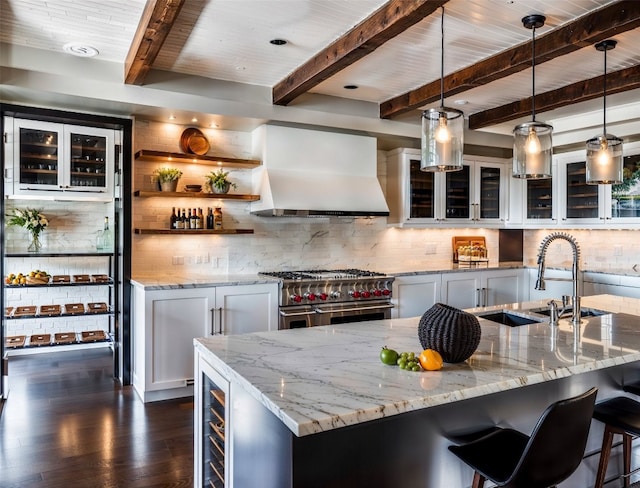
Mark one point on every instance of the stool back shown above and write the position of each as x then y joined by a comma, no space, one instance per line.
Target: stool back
557,443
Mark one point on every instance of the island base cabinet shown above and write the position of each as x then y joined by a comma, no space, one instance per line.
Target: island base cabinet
408,449
472,289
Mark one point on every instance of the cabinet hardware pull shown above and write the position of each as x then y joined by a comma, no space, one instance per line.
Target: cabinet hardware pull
477,297
486,297
213,322
220,312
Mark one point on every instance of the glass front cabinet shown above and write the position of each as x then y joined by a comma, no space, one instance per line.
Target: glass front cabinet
582,203
50,158
475,194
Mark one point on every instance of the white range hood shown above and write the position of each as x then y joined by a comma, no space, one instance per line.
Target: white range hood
314,173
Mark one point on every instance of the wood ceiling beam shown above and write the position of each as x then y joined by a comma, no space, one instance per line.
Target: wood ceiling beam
155,24
384,24
617,82
585,31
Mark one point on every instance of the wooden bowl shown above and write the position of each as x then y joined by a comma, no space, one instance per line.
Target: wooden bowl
193,141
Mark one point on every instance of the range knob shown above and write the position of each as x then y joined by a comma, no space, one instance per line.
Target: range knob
323,296
295,298
354,294
310,296
386,292
335,294
376,292
365,294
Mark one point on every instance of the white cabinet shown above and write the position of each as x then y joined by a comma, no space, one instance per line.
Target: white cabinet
49,159
610,284
414,295
166,322
475,195
469,289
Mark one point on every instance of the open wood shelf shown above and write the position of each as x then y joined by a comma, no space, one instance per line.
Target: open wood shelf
187,194
148,155
193,231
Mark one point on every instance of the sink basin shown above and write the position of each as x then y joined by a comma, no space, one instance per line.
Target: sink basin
508,318
584,312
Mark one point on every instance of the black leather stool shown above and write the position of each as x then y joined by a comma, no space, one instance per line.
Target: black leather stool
550,455
620,415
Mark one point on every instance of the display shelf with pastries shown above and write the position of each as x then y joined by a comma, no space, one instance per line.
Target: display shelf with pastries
53,311
64,280
57,339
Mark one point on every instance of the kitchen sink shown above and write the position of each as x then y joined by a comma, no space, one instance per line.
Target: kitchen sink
508,318
584,312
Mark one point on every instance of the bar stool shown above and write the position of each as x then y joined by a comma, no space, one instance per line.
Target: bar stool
550,455
620,415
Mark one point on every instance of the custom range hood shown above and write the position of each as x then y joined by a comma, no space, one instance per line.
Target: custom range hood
309,173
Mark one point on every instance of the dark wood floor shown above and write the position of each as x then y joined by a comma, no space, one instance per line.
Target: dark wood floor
67,423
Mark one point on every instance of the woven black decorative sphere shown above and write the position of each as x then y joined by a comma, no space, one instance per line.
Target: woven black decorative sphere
454,333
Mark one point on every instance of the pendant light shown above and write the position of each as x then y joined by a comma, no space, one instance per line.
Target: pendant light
604,152
532,146
442,129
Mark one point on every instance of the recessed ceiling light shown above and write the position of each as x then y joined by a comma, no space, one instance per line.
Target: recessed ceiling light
172,117
278,42
194,119
82,50
460,102
350,87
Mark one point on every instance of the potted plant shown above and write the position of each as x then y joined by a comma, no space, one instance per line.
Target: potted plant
168,178
218,181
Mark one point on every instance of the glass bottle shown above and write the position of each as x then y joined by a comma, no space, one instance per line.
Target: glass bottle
105,237
173,219
209,218
217,218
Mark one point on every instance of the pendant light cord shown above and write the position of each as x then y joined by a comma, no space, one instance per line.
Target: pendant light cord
533,74
604,96
442,59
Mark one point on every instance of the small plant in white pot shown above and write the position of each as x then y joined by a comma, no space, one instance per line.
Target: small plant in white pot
168,178
218,181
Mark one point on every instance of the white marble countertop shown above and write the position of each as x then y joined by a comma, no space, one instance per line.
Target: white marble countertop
324,378
168,281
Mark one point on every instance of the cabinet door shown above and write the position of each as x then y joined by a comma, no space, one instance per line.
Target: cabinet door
421,192
414,295
462,289
623,200
503,286
457,196
246,308
539,202
37,156
89,159
580,203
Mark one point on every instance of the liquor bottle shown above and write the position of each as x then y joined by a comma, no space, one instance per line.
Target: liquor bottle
183,220
209,218
173,219
199,220
217,218
192,219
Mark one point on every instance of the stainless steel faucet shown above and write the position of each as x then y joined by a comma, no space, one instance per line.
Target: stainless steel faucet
540,285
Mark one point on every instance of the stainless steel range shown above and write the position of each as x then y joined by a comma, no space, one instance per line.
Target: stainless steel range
325,297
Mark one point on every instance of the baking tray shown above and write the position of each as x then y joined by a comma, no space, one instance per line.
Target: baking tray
50,310
40,340
97,307
93,336
83,278
37,281
26,311
100,278
65,338
7,311
61,279
74,308
15,341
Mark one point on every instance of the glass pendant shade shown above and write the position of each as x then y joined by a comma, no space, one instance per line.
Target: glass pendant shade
604,160
532,150
604,152
442,139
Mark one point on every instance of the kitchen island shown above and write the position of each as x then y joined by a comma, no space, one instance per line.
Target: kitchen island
316,407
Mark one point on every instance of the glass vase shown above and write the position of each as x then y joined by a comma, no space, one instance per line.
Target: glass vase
35,245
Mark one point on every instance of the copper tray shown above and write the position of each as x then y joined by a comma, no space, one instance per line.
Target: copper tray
84,278
65,338
100,278
15,341
74,308
457,241
61,279
7,311
193,141
50,310
93,336
25,311
40,340
37,281
97,307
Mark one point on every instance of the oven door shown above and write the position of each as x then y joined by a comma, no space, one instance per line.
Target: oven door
330,314
296,317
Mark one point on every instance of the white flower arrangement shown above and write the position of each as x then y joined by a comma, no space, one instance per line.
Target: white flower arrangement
29,218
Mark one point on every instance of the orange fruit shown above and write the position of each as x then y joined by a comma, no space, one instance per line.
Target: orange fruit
430,360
